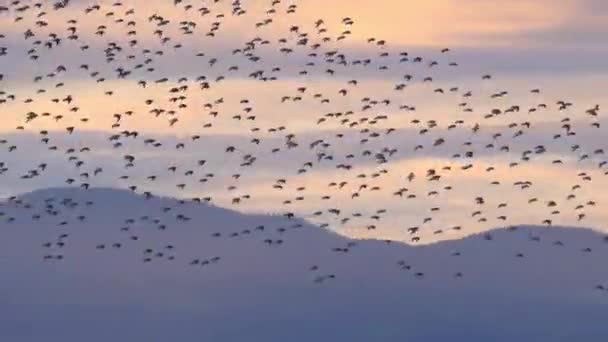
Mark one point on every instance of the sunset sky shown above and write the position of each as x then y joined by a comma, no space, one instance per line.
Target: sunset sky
558,47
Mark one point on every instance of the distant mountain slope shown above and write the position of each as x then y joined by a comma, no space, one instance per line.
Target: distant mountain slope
515,286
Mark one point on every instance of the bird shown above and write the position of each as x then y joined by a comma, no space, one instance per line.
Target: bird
360,150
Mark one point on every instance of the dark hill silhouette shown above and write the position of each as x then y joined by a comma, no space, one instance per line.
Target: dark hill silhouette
259,292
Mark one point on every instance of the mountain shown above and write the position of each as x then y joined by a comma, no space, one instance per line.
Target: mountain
266,291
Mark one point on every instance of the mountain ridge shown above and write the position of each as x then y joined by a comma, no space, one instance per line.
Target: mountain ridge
313,285
131,195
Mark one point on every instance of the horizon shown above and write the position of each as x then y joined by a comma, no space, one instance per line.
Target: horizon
138,196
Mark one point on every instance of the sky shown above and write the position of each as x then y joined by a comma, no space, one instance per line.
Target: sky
558,48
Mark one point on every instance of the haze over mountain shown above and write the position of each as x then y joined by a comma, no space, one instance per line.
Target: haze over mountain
515,285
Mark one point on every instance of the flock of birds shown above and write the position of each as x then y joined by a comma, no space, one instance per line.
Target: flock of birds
359,141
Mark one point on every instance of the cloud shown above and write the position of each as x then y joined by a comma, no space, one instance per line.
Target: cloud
258,180
486,38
